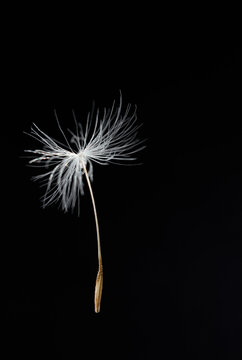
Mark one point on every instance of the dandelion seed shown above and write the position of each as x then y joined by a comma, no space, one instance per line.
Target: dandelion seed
110,138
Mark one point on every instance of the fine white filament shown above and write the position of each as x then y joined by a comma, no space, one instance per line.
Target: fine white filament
110,137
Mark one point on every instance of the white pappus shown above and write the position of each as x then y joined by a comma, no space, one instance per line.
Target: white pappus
109,138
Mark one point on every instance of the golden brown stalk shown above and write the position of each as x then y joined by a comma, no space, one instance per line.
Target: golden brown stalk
99,279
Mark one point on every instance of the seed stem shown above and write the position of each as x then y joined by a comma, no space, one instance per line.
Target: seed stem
99,279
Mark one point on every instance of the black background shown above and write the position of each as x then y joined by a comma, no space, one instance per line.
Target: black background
170,228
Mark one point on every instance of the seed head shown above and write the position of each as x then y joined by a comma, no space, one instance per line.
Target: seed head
109,138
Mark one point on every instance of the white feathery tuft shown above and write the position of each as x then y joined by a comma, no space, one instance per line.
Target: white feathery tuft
110,138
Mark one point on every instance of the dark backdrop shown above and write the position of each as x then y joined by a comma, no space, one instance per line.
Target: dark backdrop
170,228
